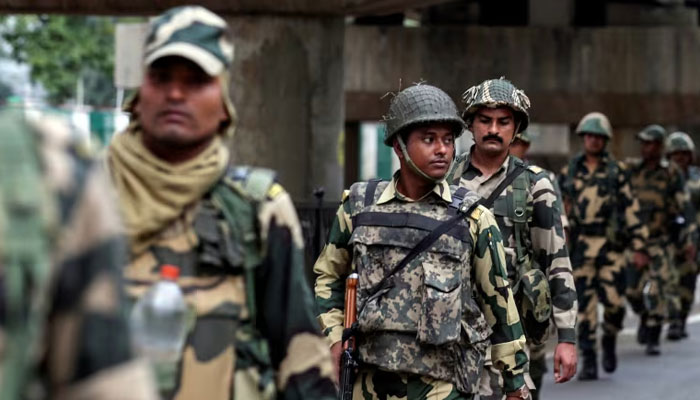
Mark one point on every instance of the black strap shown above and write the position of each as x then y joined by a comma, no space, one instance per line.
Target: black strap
406,220
423,245
488,203
369,191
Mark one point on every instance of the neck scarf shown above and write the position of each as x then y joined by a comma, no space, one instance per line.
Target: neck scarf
154,193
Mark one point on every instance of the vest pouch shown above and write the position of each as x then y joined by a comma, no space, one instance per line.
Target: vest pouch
440,321
534,299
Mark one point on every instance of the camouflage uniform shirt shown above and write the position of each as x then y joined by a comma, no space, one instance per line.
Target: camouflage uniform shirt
602,200
544,239
84,351
416,325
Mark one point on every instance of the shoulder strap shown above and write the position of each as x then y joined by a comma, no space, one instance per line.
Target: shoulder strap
514,173
253,182
424,244
369,191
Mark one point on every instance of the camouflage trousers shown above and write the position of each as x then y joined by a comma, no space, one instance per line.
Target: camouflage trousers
687,279
599,273
652,279
376,384
491,380
672,290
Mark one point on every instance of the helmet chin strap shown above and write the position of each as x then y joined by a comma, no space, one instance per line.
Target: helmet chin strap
413,166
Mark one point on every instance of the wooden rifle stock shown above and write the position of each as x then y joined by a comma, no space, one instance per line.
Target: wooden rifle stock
348,365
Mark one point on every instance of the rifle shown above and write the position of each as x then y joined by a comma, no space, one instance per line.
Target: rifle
348,364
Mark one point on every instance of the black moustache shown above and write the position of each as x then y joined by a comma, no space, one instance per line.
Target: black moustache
494,137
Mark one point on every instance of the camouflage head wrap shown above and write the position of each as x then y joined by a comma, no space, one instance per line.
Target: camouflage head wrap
652,133
679,141
496,93
594,123
420,104
523,137
199,35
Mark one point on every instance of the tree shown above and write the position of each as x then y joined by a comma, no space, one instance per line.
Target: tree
62,49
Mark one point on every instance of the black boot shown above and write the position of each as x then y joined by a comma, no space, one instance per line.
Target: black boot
642,331
653,334
675,330
609,356
684,332
589,371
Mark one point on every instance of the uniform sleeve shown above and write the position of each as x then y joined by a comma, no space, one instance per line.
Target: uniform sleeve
629,213
285,314
89,352
684,209
552,257
331,269
496,299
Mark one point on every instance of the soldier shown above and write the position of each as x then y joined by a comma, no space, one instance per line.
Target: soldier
681,150
663,201
601,208
423,331
232,231
528,215
63,334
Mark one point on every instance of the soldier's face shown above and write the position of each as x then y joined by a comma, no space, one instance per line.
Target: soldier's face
493,130
682,158
179,105
431,148
593,144
651,149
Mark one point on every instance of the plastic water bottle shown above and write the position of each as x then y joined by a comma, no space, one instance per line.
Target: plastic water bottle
159,319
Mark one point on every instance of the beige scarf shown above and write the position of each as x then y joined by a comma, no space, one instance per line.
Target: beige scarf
153,193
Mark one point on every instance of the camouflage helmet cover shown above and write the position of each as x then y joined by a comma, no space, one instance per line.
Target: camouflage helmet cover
594,123
523,136
652,133
420,104
191,32
495,93
679,141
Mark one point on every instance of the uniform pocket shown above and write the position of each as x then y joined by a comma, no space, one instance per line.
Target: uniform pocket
441,306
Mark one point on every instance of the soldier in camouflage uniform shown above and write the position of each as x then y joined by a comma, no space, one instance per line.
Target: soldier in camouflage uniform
529,216
601,208
681,150
665,209
232,231
63,334
424,335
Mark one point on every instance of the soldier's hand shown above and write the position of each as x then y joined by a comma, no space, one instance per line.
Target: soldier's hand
640,259
565,361
336,352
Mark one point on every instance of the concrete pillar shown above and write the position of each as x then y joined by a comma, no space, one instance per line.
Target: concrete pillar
287,85
551,12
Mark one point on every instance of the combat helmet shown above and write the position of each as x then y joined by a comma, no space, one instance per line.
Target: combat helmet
679,141
495,93
523,137
652,132
594,123
420,104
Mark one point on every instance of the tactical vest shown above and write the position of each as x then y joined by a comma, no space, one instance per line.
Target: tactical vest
218,280
426,321
24,246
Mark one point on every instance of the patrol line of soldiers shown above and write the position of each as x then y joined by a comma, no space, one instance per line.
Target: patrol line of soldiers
487,271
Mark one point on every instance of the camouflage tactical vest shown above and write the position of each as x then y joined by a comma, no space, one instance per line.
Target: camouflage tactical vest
426,321
225,355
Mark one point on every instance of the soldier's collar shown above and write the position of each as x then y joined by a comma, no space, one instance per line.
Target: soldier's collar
441,189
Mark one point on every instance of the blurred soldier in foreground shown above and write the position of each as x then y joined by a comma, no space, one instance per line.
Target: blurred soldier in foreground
529,216
681,150
62,328
604,220
666,211
232,231
423,329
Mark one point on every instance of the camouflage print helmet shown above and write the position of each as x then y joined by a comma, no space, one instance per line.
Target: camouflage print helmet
420,104
652,133
679,141
524,137
594,123
495,93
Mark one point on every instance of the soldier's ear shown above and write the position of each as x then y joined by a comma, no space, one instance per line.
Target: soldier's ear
397,148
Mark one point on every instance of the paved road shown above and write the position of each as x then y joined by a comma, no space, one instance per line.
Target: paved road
675,375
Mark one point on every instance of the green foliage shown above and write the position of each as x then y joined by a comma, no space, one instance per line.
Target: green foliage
61,49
